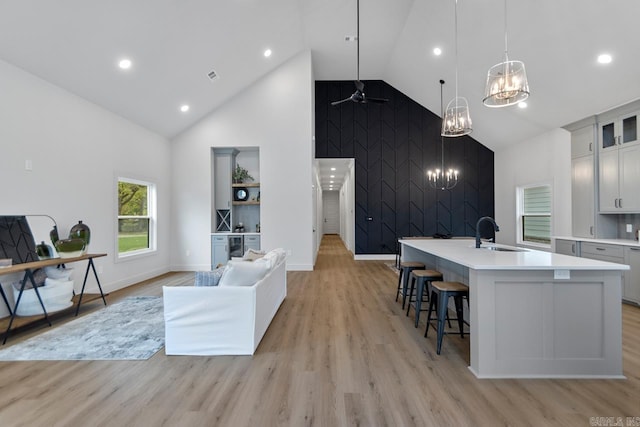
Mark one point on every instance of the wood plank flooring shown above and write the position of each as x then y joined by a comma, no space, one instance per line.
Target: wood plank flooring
340,352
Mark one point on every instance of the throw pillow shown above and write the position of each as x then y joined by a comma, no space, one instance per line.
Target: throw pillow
252,255
209,278
243,273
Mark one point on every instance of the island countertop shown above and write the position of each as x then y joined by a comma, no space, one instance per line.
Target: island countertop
464,252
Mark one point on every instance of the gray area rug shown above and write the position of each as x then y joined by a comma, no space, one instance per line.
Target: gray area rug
131,329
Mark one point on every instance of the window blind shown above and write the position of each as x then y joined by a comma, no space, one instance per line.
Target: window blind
536,215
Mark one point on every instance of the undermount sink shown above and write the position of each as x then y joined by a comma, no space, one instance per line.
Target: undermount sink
500,249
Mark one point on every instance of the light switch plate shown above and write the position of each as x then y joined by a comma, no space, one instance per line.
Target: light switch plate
629,228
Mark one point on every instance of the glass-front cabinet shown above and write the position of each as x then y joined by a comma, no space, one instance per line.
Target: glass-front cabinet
619,131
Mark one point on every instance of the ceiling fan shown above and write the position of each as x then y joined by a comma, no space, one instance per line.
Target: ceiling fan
359,96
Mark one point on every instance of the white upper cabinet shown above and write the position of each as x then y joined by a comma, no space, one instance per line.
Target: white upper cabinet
582,142
583,181
619,164
620,131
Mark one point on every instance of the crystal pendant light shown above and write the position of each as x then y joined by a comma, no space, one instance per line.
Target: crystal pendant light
507,81
442,178
456,121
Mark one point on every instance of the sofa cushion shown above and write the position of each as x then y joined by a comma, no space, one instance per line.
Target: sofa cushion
209,278
243,273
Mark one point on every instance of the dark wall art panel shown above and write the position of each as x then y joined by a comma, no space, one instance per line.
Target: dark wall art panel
394,144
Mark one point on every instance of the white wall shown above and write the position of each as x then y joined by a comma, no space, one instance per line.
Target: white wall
347,209
317,212
543,159
77,149
274,114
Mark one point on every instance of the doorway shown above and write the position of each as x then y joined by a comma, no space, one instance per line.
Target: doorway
331,212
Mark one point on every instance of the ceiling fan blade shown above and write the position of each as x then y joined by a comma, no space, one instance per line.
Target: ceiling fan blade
377,100
341,101
359,85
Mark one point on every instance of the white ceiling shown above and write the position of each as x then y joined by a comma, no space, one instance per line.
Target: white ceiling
332,173
174,44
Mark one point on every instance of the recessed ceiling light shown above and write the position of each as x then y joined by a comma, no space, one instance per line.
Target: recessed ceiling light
184,108
522,104
267,53
332,176
437,51
605,58
333,169
330,182
125,64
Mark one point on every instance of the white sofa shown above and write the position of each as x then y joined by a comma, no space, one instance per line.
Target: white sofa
222,320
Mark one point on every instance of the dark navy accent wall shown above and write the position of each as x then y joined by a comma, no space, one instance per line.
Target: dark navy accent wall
394,144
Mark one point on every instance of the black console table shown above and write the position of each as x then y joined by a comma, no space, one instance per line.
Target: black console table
29,267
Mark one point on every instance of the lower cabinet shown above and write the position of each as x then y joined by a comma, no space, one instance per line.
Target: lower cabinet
251,242
602,252
629,255
219,250
233,245
568,247
631,290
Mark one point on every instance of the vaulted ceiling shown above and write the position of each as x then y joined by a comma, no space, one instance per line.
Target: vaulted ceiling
174,44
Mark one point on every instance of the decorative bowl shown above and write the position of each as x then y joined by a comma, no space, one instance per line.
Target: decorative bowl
69,248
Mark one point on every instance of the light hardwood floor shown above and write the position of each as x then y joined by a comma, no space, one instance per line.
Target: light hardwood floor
339,352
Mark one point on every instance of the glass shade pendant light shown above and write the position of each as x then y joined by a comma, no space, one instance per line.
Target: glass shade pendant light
507,81
456,121
442,178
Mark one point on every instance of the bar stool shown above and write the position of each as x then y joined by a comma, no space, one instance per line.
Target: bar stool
406,267
423,278
440,293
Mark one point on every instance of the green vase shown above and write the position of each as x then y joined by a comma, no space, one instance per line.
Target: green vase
53,234
44,251
81,231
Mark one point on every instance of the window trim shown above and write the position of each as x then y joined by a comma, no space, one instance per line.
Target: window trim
520,214
151,216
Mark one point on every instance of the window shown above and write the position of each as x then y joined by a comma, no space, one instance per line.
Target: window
136,217
534,215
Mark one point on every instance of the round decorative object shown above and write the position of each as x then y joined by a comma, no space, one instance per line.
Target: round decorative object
240,194
44,251
69,248
81,231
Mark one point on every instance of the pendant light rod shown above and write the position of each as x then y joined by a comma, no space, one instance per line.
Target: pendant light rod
441,178
358,38
455,26
505,31
456,119
506,81
442,115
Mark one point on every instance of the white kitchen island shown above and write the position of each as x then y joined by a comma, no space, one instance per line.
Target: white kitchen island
533,314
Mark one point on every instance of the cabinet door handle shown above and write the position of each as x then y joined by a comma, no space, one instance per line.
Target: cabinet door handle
591,146
591,230
600,249
573,248
635,249
615,202
619,203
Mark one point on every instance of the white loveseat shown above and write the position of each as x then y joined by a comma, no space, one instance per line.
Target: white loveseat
225,319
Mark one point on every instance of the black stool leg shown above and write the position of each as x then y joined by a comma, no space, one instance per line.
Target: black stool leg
399,283
405,285
412,279
442,313
433,301
419,299
459,314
